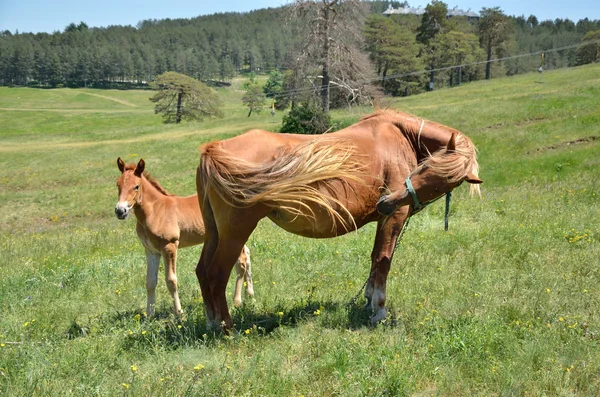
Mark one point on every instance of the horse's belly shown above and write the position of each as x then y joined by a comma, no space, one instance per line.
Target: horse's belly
314,227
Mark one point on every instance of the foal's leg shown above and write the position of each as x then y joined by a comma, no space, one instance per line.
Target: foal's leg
242,269
169,253
381,259
152,262
248,274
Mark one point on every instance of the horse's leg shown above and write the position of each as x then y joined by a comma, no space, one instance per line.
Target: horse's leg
242,268
152,263
381,259
206,256
248,274
169,253
218,274
211,241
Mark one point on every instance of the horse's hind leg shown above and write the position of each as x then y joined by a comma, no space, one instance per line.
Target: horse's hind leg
381,259
152,263
169,252
243,272
218,275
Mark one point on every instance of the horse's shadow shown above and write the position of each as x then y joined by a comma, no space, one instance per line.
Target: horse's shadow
166,330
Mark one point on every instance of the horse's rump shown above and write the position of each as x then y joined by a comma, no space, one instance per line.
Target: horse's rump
298,177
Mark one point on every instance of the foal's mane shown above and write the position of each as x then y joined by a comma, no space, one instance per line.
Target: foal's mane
149,178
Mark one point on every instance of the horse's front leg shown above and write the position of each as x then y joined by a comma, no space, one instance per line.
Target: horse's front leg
243,273
169,253
381,260
152,263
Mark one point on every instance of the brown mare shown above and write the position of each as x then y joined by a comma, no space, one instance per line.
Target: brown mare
164,224
324,186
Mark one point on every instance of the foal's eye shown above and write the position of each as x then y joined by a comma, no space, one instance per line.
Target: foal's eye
136,188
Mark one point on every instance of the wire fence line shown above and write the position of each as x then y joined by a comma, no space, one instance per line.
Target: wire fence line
427,71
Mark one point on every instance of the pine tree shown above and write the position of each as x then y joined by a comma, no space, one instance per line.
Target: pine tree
181,97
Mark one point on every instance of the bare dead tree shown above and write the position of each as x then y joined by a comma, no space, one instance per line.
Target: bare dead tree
330,52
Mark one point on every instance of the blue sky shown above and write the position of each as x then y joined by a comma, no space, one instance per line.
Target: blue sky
51,15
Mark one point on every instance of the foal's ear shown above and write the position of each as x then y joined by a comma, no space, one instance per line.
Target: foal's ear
139,170
121,165
471,178
451,143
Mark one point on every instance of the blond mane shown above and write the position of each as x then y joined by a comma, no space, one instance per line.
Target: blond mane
455,165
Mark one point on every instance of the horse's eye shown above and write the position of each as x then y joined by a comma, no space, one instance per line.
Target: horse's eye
136,188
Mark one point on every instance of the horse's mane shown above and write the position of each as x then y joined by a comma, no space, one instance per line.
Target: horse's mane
455,164
149,178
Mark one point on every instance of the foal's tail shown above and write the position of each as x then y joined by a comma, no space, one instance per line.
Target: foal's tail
291,182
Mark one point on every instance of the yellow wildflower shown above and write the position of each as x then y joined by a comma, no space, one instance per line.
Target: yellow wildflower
133,368
198,367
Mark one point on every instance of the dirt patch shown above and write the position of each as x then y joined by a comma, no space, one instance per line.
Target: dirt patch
568,143
64,110
163,136
122,102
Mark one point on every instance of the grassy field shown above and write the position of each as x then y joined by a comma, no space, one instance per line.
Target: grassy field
505,303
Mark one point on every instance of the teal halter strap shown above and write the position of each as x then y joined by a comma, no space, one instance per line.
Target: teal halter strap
413,194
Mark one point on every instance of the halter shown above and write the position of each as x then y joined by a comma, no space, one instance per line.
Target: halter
418,206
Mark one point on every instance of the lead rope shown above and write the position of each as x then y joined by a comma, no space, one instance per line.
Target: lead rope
447,215
398,240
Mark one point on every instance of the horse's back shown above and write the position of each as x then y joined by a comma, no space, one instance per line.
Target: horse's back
258,146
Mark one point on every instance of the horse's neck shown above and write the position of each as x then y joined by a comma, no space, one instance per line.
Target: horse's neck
148,198
426,137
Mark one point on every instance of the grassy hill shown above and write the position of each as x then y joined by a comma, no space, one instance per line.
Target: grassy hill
505,303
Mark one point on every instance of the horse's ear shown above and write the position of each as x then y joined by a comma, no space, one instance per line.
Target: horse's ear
139,170
121,165
471,178
451,143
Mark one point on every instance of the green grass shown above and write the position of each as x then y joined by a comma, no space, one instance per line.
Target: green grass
505,303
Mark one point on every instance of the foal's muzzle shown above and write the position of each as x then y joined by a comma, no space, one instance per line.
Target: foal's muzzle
121,212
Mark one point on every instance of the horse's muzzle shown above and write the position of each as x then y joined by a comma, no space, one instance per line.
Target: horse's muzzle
385,208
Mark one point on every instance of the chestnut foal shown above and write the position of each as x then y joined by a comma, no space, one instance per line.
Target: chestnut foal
165,223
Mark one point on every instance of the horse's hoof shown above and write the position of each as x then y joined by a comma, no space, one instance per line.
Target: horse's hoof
378,316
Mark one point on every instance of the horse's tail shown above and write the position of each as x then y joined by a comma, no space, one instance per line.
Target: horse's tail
290,182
